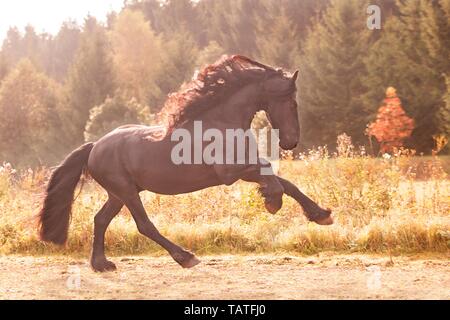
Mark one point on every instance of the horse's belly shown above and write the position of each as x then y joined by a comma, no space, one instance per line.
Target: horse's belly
184,179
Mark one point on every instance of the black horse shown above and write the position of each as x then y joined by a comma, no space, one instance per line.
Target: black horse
225,95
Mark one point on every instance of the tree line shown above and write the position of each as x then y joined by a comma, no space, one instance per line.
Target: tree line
57,91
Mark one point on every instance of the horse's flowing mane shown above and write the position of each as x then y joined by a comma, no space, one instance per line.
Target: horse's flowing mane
208,87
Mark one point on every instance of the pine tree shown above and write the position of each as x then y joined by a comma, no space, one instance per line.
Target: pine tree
435,25
179,53
31,45
412,56
180,16
209,54
436,34
12,47
232,23
4,67
278,41
64,49
444,115
91,78
331,73
301,13
151,9
392,125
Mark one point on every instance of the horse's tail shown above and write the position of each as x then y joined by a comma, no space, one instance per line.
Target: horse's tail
54,217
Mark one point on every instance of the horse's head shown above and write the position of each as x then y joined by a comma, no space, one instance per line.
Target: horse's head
279,102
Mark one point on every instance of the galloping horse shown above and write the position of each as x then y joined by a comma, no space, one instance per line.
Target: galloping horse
133,158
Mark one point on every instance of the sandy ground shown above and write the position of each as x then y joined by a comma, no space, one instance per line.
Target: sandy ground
324,276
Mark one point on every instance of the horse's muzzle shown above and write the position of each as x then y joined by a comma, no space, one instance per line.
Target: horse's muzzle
288,145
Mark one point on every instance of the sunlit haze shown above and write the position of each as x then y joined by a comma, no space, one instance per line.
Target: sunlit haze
48,15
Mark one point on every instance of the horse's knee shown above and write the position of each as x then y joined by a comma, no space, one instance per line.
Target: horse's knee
273,200
109,210
273,190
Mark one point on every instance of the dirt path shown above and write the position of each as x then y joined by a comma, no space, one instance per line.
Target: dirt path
229,277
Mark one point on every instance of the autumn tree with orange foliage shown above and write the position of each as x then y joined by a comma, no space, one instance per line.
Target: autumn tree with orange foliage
392,125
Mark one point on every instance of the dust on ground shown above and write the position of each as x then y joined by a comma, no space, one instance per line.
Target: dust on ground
324,276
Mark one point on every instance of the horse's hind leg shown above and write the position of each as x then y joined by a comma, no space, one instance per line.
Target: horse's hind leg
147,228
101,222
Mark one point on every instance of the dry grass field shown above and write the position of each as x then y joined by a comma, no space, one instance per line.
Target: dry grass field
390,205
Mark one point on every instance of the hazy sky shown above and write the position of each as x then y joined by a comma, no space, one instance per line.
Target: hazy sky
47,15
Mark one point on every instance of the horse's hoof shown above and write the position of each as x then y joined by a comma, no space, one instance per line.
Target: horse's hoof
325,221
272,207
103,266
192,262
186,259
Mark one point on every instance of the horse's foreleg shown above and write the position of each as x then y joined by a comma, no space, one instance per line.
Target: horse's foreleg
147,228
101,222
270,187
311,209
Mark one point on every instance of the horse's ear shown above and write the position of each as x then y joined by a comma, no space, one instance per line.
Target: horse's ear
295,75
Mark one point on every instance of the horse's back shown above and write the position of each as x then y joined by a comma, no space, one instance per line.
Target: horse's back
155,132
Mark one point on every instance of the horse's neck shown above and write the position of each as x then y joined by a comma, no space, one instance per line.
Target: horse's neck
237,111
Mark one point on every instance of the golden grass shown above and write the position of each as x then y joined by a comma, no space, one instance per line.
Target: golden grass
399,204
